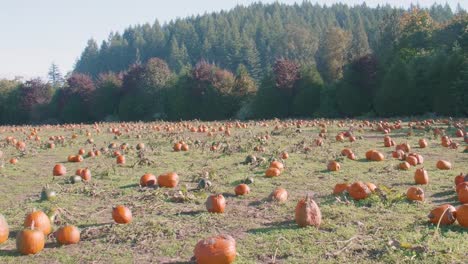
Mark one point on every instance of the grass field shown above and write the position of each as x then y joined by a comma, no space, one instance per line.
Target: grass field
167,223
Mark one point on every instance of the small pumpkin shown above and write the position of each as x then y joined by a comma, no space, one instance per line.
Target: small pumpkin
404,166
277,164
177,147
41,221
215,203
120,159
4,229
308,213
422,143
333,166
462,215
148,180
272,172
377,156
121,214
68,235
279,194
421,176
30,241
412,160
242,189
284,155
415,194
444,213
372,187
340,188
443,165
169,180
219,249
86,174
59,170
359,191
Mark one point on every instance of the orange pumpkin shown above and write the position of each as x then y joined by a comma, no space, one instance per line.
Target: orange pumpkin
86,174
121,214
443,165
340,188
421,176
177,147
242,189
148,180
30,241
277,164
333,166
372,187
279,194
215,203
219,249
41,221
462,192
359,191
460,178
308,213
415,194
377,156
68,235
169,180
444,213
404,166
284,155
4,229
412,160
120,159
272,172
422,143
59,170
462,215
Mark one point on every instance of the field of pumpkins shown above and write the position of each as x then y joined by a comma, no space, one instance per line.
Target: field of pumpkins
274,191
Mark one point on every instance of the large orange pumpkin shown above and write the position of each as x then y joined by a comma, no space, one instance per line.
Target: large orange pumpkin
308,213
219,249
216,203
445,213
169,180
30,241
41,221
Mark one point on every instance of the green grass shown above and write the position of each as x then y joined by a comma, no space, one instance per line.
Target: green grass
165,230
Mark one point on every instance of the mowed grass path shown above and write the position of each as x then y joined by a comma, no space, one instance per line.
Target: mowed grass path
167,223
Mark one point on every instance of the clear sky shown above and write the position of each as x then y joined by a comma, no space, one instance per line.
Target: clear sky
35,33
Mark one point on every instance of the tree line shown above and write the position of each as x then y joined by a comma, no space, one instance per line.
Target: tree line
261,61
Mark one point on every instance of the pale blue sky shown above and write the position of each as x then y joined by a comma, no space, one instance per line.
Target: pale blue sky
35,33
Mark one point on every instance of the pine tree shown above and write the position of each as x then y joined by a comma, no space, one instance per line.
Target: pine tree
55,77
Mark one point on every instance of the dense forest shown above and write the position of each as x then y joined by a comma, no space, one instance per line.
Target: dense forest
261,61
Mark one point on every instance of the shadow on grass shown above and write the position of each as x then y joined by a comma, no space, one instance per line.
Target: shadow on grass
9,253
191,213
128,186
94,225
444,193
226,195
275,226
